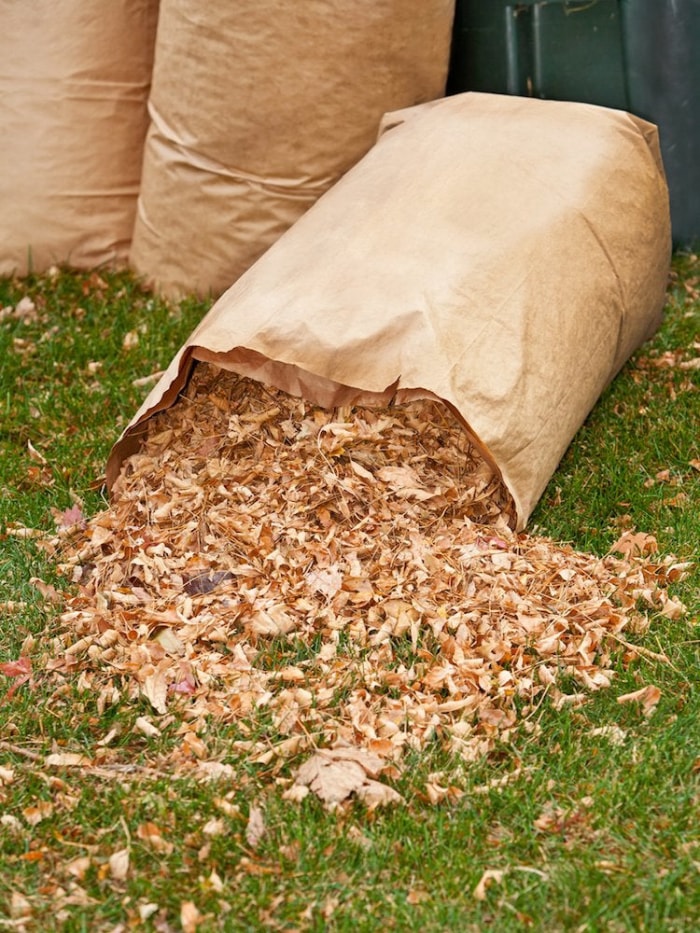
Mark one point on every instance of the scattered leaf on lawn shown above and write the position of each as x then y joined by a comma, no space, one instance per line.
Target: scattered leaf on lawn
67,760
69,517
47,590
119,865
255,828
214,827
79,866
635,543
155,689
417,896
648,697
489,877
35,455
11,823
190,917
7,775
35,813
613,733
151,835
147,910
20,907
673,608
336,579
21,669
337,773
146,727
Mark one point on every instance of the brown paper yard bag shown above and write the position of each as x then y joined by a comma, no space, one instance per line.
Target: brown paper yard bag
257,108
74,81
503,254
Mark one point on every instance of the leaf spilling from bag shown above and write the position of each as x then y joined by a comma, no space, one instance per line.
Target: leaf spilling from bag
344,583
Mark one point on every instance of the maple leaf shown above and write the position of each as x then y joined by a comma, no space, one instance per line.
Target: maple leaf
21,669
325,580
335,774
69,517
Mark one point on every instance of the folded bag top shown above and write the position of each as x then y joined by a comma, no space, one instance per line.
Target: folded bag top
505,255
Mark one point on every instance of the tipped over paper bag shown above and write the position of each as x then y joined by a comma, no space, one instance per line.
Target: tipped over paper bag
505,255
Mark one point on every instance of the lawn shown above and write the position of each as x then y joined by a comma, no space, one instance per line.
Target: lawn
585,819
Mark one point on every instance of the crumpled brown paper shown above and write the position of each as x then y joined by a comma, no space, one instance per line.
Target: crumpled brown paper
74,81
257,108
503,254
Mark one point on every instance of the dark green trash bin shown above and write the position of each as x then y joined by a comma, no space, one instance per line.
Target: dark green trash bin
636,55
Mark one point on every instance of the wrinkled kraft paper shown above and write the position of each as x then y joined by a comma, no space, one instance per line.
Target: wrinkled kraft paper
257,108
505,255
74,82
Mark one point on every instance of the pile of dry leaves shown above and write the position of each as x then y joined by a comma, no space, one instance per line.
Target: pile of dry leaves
341,584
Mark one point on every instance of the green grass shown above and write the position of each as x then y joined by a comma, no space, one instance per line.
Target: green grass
589,835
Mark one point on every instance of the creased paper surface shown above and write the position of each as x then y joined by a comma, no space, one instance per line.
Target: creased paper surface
257,108
505,255
74,83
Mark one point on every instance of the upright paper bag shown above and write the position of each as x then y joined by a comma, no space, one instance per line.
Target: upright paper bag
505,255
74,81
257,108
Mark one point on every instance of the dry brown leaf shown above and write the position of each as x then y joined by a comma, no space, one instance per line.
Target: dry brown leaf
119,865
214,827
648,697
47,590
374,794
214,771
613,733
255,828
67,760
417,896
21,670
151,835
35,813
20,906
633,544
155,689
190,917
332,781
146,910
489,877
11,823
7,775
144,725
35,455
673,608
79,866
335,774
